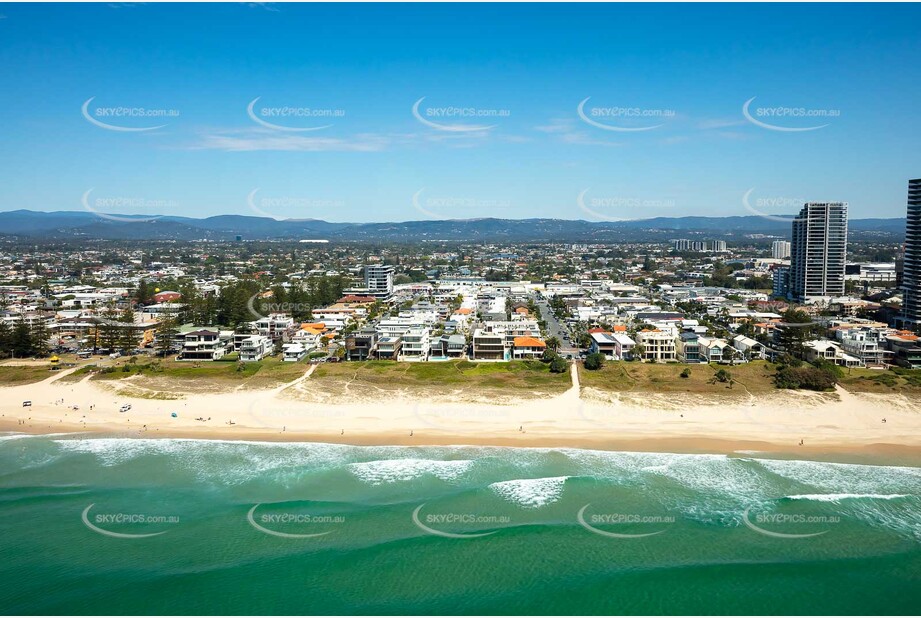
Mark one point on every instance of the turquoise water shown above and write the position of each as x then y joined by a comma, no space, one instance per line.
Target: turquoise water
270,528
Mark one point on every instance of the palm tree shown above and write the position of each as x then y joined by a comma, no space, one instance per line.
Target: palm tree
553,343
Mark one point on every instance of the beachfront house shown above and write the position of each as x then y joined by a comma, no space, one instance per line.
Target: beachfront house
488,345
527,348
388,347
360,344
603,342
293,352
687,347
416,344
204,344
255,348
658,345
450,346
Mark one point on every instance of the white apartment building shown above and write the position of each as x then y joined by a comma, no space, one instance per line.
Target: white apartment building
818,251
416,345
273,326
255,348
780,249
658,345
293,352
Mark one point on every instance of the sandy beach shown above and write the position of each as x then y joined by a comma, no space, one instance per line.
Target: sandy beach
833,422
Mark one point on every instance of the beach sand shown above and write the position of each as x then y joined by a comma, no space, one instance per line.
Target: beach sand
838,422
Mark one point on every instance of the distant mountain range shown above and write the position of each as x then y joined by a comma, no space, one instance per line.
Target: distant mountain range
66,225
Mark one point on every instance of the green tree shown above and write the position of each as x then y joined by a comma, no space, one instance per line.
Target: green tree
21,340
559,365
166,331
594,361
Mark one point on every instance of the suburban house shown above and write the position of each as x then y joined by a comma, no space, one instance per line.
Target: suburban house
527,348
831,352
293,352
255,348
603,342
275,326
450,346
749,348
204,345
415,344
658,345
388,347
624,346
360,344
715,350
488,345
687,347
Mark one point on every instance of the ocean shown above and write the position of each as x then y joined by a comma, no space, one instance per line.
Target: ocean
94,525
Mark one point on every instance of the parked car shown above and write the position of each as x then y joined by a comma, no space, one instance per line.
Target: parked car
27,404
125,407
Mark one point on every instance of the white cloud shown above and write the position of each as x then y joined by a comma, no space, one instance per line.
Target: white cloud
566,130
263,139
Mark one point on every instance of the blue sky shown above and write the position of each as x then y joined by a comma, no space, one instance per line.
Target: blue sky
685,70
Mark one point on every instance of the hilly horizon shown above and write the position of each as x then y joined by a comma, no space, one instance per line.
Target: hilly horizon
112,226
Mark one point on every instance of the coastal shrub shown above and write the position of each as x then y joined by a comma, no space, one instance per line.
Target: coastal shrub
886,379
594,361
559,365
548,356
808,378
723,376
686,373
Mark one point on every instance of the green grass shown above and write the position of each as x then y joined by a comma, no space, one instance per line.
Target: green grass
896,380
440,376
619,376
14,375
169,375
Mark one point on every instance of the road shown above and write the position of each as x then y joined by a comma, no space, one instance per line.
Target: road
555,328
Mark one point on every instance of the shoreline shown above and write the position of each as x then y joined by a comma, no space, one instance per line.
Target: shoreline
678,445
841,425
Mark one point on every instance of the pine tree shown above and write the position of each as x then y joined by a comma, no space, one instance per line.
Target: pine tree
39,337
109,330
21,340
166,331
6,339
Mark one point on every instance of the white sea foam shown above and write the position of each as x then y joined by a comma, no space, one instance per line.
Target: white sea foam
397,470
531,493
221,461
839,497
847,478
20,436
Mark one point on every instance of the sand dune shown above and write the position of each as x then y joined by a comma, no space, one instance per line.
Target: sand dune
294,411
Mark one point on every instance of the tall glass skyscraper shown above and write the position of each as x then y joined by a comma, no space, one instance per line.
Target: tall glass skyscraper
911,269
818,251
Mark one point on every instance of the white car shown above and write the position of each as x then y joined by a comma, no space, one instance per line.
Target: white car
125,407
